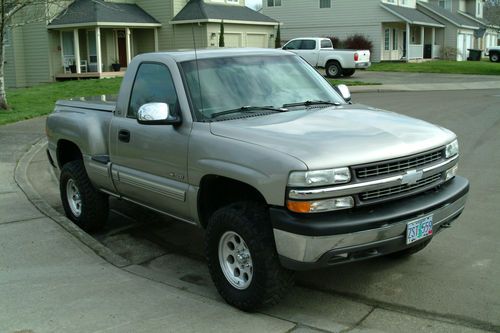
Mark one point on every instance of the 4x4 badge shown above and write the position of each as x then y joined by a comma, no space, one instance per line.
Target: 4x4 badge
411,177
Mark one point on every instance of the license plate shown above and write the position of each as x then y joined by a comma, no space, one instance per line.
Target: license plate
419,229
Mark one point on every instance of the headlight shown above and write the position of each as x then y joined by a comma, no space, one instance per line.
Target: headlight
451,149
319,177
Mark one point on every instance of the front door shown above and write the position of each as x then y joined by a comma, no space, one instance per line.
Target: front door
122,47
150,161
404,44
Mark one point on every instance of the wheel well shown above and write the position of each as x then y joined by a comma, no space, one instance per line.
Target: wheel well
217,191
67,151
333,61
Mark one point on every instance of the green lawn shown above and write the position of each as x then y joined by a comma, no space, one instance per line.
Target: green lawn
39,100
440,66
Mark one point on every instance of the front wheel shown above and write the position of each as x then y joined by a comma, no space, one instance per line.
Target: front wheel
348,72
494,57
242,257
82,203
333,69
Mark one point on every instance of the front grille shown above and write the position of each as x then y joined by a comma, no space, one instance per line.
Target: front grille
398,165
398,190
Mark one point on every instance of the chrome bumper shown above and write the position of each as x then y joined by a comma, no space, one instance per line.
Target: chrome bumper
310,249
363,64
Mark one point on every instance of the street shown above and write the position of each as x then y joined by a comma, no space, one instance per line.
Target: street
454,281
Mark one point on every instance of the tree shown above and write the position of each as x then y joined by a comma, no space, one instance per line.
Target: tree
16,13
491,12
221,35
277,41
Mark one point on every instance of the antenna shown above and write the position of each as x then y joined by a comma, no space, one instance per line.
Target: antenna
197,69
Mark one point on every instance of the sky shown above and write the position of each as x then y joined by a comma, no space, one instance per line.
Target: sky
253,3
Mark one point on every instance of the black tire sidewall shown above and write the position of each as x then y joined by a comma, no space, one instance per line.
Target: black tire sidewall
492,57
336,65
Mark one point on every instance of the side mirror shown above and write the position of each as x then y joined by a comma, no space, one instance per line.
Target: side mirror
344,91
156,114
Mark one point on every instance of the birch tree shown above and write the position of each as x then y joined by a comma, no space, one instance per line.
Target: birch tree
16,13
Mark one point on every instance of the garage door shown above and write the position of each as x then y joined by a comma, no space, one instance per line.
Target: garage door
232,40
464,43
256,40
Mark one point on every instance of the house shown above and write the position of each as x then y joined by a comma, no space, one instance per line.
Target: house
88,36
399,29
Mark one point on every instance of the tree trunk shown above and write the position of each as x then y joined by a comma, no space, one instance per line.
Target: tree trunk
3,96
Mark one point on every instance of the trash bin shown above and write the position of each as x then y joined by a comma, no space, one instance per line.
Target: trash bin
474,54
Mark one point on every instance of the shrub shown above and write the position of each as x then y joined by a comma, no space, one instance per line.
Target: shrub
449,53
337,43
358,42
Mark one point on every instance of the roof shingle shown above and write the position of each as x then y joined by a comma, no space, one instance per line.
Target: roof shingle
411,15
456,19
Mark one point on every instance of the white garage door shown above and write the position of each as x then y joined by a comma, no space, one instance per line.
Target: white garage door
256,40
232,40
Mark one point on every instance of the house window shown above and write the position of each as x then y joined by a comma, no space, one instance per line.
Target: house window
68,42
479,10
394,39
232,1
273,3
325,3
446,4
387,39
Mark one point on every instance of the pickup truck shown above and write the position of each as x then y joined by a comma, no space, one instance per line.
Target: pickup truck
493,53
319,52
257,148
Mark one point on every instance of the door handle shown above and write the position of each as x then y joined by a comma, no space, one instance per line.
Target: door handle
124,136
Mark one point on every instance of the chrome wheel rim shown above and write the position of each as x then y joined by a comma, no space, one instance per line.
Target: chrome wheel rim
235,260
74,198
333,70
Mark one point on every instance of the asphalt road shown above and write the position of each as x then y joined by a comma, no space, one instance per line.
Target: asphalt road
456,278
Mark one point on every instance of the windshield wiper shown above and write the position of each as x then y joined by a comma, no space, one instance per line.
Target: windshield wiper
247,109
309,103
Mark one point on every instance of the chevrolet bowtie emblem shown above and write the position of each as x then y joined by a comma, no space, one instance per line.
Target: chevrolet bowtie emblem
411,177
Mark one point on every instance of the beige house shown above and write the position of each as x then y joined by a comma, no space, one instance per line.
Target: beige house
98,38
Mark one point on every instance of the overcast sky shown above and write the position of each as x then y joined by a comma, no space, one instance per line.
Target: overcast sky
253,3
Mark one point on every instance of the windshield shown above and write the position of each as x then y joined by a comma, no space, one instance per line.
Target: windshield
235,82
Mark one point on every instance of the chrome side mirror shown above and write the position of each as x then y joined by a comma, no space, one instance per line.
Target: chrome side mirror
344,91
156,114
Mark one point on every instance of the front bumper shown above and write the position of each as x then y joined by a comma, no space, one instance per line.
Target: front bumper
363,64
314,241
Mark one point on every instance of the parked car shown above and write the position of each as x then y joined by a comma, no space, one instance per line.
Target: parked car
257,148
319,52
493,53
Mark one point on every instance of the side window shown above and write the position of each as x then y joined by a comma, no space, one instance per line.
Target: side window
308,44
326,44
293,45
153,83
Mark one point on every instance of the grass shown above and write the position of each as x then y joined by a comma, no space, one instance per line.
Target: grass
440,66
39,100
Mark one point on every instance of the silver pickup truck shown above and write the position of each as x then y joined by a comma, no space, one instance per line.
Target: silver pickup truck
257,148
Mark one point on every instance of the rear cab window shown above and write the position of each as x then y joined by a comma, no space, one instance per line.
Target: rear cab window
326,44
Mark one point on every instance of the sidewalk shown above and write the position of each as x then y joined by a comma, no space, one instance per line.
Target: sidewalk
53,277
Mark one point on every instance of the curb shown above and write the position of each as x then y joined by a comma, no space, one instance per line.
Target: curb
22,180
426,87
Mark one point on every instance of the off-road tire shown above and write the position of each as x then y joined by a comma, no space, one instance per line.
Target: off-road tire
409,251
94,204
348,72
333,69
270,280
494,57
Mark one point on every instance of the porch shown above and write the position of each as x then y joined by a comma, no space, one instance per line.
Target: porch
89,75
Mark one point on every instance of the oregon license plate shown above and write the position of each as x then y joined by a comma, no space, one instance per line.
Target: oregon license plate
419,229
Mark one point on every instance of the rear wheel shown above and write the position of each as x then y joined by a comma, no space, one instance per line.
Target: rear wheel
348,72
409,251
333,69
82,203
494,57
242,257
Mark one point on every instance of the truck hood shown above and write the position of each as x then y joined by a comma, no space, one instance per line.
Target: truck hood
337,136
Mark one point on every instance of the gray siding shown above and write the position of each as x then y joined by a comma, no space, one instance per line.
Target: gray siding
345,18
450,30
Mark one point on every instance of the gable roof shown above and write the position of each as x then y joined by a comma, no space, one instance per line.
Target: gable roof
199,11
411,15
478,20
95,12
455,19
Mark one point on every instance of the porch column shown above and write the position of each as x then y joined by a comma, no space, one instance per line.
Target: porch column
422,39
433,37
98,49
76,42
156,40
407,42
62,49
127,45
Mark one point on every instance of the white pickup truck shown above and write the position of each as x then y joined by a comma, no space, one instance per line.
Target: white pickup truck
319,52
494,53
